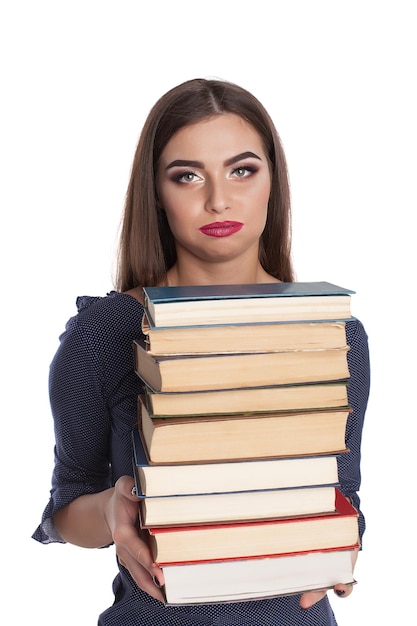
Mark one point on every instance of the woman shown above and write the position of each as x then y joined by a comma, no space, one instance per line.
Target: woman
208,203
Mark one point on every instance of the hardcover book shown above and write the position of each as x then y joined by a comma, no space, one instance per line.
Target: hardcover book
219,304
229,371
227,437
246,579
247,400
234,506
262,337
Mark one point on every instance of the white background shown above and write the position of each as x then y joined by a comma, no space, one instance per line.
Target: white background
77,81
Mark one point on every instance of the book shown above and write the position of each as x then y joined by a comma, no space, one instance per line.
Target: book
229,371
264,302
184,478
235,506
260,337
251,399
247,579
176,544
220,438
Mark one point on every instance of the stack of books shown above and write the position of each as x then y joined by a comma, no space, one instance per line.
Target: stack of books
239,428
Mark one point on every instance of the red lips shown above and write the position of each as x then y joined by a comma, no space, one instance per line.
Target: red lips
221,229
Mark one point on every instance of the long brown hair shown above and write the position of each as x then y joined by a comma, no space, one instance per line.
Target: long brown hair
146,244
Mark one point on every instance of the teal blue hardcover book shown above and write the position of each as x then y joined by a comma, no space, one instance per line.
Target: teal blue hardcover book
251,303
158,295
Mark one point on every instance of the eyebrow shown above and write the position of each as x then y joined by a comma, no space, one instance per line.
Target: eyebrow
199,164
241,156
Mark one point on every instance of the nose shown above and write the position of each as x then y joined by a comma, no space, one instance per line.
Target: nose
217,199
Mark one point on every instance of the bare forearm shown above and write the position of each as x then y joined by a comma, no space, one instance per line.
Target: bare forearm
83,521
97,520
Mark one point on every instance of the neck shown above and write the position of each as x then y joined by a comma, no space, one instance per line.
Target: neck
178,275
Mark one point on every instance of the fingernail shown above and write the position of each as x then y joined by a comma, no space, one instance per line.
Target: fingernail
340,592
156,582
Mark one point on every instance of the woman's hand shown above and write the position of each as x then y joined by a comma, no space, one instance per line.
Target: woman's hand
342,591
311,597
121,515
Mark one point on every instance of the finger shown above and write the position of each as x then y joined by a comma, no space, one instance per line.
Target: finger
343,591
143,578
129,542
311,597
132,548
134,551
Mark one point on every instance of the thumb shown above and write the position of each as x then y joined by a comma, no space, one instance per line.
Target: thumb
126,487
343,591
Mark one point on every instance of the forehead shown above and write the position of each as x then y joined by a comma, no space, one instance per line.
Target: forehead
228,133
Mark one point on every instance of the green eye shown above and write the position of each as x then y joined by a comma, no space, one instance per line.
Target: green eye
244,171
184,177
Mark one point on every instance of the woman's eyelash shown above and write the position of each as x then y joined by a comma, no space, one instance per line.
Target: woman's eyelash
180,176
248,168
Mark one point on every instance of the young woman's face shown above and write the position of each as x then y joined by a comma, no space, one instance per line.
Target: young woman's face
214,183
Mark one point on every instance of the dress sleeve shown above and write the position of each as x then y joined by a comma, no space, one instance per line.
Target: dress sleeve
82,425
358,393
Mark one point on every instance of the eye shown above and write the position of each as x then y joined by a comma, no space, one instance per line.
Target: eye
243,171
185,177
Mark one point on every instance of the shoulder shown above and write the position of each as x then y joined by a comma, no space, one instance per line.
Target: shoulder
105,320
108,308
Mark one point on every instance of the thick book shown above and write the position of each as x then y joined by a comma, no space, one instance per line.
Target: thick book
234,506
176,544
262,337
245,436
251,399
265,302
239,580
229,371
176,479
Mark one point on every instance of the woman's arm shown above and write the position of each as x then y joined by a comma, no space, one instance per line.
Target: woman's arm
83,522
91,383
99,519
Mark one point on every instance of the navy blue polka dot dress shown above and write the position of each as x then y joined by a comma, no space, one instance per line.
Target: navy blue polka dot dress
93,393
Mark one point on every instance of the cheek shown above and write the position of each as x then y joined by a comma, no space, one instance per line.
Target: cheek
171,218
266,196
181,207
260,200
263,188
266,191
178,216
259,197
